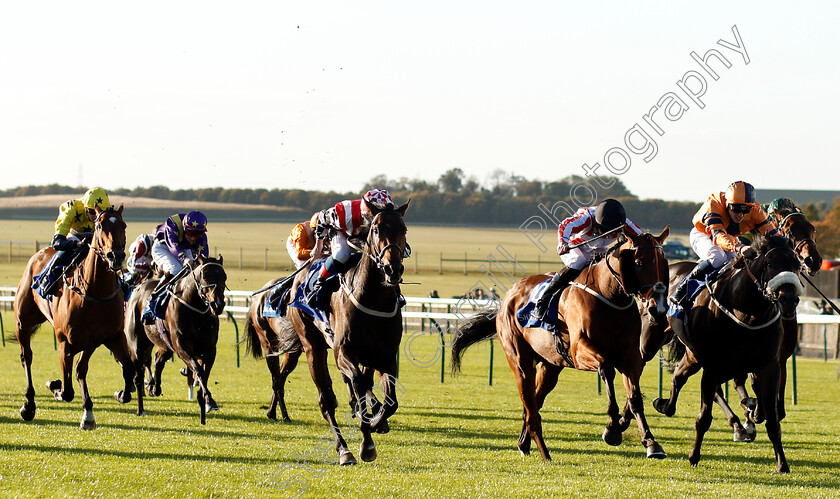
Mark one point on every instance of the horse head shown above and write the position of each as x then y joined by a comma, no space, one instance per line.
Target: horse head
109,236
644,271
795,226
210,279
386,241
774,271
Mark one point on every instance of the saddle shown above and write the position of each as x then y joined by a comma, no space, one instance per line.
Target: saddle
550,323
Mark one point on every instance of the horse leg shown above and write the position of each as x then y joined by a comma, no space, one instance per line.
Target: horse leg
118,346
684,370
327,402
384,410
63,388
739,433
770,388
612,433
161,357
88,422
636,406
747,403
273,363
362,384
27,411
704,419
758,413
546,380
290,361
207,364
780,399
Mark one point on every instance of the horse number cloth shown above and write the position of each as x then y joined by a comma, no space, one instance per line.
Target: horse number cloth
318,311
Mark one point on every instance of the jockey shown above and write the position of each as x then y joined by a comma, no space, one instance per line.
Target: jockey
178,241
337,224
301,241
139,258
75,218
717,225
587,224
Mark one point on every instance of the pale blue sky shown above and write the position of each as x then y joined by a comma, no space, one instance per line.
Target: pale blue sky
325,95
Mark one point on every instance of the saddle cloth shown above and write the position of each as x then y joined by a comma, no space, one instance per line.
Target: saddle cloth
318,311
526,319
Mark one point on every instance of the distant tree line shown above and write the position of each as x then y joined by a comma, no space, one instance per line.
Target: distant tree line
504,199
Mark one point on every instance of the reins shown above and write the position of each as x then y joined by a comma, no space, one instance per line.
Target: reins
94,246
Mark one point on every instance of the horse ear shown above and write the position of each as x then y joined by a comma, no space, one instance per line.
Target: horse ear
661,237
371,207
220,259
401,209
627,231
120,209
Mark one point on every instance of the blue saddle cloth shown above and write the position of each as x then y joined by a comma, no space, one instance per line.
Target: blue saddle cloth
526,319
44,279
318,311
693,288
280,310
156,307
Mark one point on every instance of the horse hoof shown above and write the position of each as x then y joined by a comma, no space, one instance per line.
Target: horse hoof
611,437
87,425
141,414
210,408
122,396
741,435
28,414
383,427
346,459
783,469
272,415
368,453
750,429
661,406
655,451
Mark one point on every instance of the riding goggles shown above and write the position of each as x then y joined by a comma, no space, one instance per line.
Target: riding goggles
740,208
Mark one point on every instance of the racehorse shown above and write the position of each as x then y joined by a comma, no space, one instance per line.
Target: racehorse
191,330
366,321
87,311
600,326
273,337
735,328
795,225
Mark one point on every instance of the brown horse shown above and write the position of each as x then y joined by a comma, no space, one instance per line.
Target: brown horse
600,327
366,322
87,311
192,330
273,338
735,328
795,225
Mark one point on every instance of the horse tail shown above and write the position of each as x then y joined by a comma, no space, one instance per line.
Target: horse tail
477,327
252,339
676,351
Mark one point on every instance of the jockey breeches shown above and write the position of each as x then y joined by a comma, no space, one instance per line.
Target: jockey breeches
164,258
702,244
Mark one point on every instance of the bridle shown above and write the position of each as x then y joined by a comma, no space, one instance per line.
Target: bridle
657,287
377,258
95,246
200,288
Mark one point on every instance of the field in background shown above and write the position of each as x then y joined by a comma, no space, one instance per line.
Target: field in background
451,439
261,246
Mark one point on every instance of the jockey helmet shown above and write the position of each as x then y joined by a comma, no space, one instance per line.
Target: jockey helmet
740,192
313,222
96,197
609,215
195,221
378,197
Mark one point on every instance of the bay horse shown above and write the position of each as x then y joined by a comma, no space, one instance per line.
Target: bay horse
191,327
273,337
600,324
366,321
735,328
795,225
85,312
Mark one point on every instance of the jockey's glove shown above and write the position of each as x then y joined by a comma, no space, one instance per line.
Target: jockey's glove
61,243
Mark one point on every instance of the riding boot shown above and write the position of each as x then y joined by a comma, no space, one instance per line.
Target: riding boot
312,297
557,285
51,277
149,312
699,273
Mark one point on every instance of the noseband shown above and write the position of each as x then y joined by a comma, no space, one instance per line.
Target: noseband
657,287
